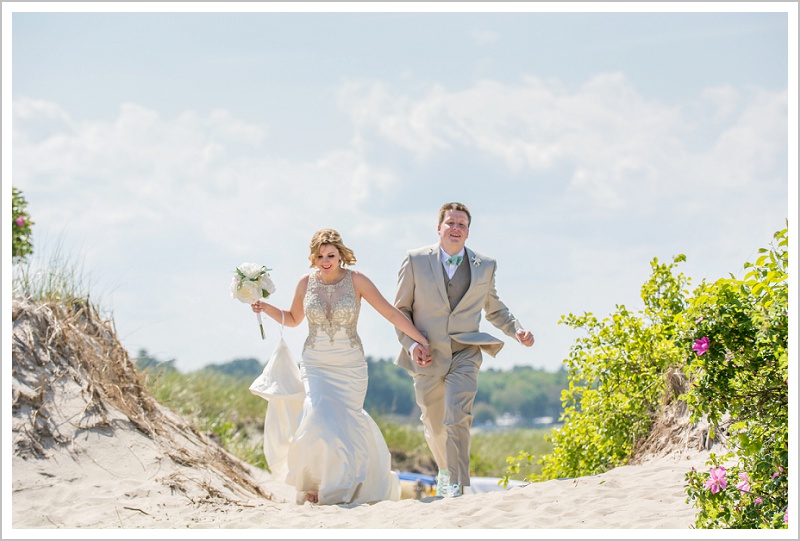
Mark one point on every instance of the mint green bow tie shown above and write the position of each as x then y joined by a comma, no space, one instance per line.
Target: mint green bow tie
454,260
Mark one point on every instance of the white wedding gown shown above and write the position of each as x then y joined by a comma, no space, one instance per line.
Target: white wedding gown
335,448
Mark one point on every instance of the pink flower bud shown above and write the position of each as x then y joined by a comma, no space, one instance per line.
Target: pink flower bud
744,484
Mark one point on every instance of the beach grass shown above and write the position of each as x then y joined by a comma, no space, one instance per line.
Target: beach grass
219,406
51,275
223,408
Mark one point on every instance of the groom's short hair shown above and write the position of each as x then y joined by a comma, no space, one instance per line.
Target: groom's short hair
454,206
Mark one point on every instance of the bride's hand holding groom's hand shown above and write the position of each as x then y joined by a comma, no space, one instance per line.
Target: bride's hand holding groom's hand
422,354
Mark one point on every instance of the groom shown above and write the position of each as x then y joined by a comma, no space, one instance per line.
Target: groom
443,288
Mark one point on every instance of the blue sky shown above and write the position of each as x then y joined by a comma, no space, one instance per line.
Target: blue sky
164,149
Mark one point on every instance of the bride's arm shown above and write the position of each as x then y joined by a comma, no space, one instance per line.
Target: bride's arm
366,289
292,317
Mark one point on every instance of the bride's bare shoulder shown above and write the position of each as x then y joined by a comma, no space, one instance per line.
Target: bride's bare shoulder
358,276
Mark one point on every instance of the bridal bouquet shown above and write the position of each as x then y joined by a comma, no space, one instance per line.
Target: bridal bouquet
251,283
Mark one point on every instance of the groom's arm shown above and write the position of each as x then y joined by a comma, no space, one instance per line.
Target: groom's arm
497,313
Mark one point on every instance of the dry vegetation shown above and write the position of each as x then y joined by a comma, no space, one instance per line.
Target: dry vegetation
672,431
71,377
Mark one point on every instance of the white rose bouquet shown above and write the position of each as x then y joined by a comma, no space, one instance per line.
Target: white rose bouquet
251,283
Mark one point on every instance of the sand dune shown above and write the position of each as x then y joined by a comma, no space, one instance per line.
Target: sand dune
92,450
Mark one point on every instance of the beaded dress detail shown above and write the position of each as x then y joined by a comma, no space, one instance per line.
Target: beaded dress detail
331,308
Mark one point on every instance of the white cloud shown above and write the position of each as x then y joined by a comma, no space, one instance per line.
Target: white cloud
622,149
724,100
751,147
169,205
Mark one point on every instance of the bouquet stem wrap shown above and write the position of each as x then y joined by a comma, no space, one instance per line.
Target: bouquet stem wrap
260,325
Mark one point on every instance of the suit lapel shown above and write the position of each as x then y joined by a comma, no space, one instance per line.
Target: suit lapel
473,274
436,270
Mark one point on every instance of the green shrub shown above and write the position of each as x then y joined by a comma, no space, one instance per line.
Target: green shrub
21,245
730,338
738,330
616,375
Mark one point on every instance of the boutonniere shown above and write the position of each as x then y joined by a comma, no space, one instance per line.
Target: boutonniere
476,261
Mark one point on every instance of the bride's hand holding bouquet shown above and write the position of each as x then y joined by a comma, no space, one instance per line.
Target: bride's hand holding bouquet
250,284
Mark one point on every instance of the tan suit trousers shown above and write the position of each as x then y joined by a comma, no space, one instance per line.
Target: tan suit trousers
446,403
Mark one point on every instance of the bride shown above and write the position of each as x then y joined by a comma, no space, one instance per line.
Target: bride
337,454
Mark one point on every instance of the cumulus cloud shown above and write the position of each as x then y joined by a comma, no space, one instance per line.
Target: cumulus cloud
620,147
146,171
168,204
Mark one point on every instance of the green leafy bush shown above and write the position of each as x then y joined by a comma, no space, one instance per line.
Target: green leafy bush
21,245
739,333
616,379
730,338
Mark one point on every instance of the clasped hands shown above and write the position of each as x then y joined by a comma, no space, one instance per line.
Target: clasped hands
422,354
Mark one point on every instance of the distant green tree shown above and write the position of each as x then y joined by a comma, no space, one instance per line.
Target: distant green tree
523,390
390,390
483,413
238,368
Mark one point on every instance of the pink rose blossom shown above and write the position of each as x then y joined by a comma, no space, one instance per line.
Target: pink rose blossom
700,345
786,516
716,480
758,501
777,473
744,484
20,221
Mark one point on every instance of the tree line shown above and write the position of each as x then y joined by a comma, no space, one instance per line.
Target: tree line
531,396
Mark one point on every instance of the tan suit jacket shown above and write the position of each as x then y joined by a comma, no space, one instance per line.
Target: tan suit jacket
422,296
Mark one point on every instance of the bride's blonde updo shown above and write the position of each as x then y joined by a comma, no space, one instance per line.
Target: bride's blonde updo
332,237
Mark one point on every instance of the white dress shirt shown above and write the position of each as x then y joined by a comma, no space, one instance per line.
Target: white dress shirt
448,267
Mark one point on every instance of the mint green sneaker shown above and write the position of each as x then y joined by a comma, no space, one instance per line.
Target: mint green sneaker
454,491
442,483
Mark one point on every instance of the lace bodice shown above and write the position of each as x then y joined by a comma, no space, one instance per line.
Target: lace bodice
332,308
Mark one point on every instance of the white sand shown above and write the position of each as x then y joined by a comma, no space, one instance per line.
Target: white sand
81,468
119,482
121,479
